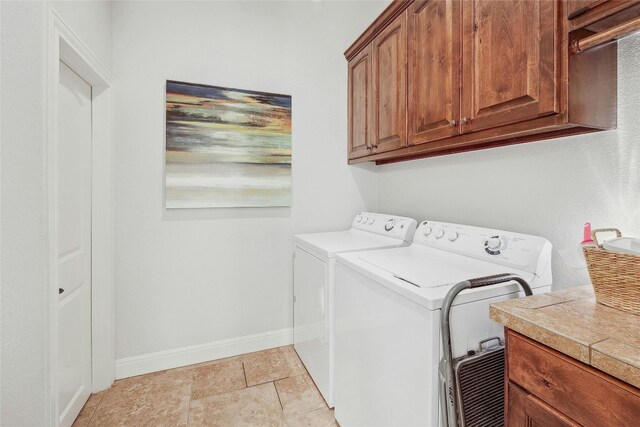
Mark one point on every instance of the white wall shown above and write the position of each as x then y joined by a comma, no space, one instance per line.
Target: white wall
90,20
549,188
191,277
23,303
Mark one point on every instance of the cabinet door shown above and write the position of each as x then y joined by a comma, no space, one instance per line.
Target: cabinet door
390,86
510,62
524,409
434,70
360,97
577,7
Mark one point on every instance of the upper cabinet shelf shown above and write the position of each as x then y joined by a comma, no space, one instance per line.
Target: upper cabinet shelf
441,76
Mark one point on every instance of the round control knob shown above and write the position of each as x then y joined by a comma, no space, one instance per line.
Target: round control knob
359,219
372,220
388,226
452,236
439,233
427,230
494,243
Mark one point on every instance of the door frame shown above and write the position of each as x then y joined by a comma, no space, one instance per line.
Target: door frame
64,45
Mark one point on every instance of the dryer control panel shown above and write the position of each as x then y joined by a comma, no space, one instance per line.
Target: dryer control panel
515,250
387,225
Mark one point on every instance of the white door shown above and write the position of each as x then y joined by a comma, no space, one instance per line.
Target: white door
73,243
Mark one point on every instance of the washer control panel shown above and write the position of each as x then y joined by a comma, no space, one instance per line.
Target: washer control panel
388,225
516,250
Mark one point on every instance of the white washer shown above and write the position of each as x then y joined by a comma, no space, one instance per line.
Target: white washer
387,316
313,285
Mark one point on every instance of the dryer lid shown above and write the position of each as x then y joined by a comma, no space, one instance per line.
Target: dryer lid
368,231
331,243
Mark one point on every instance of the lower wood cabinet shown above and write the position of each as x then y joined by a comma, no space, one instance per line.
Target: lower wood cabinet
524,409
547,388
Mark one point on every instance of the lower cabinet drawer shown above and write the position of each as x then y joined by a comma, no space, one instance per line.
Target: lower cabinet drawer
580,392
524,409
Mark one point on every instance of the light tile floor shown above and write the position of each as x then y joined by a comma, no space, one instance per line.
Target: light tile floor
267,388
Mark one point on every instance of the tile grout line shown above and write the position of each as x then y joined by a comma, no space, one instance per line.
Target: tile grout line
95,409
271,380
551,304
278,394
591,350
92,414
230,391
306,372
244,372
190,398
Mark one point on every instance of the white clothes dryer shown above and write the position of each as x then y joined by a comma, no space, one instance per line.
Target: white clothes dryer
313,285
387,316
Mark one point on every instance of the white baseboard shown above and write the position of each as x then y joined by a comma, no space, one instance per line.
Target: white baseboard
168,359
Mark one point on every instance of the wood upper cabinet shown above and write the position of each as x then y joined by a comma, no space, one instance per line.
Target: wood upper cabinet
390,86
577,7
434,70
510,71
597,15
360,101
433,77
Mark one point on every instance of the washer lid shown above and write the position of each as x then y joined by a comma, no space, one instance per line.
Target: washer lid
425,275
426,267
329,244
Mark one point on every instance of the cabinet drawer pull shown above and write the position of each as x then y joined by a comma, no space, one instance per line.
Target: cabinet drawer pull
464,121
453,123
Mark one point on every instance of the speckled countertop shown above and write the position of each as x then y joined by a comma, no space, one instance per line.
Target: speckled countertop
571,322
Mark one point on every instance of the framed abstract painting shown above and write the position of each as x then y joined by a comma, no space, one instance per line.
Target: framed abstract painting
226,147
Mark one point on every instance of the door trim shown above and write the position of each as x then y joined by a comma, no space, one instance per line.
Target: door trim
64,45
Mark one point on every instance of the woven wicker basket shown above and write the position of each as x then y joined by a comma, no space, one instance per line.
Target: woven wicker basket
615,276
